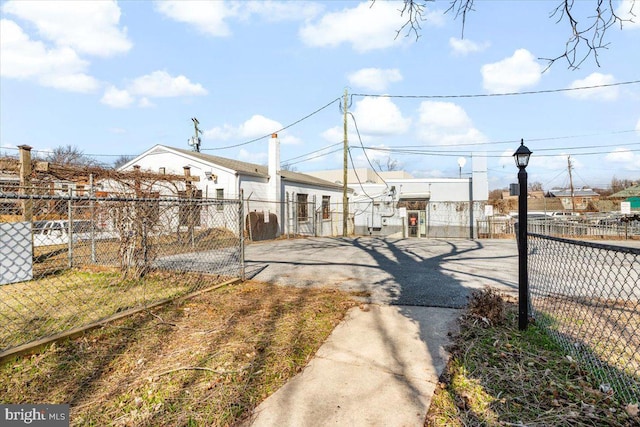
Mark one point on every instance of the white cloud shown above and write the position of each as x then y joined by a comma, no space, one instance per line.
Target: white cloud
145,103
512,74
89,27
445,123
208,17
624,158
275,11
116,98
379,116
259,158
630,11
23,58
594,79
506,159
366,27
211,17
255,127
376,79
336,134
466,46
220,133
159,84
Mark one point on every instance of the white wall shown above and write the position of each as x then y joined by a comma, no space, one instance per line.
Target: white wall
174,163
335,202
256,189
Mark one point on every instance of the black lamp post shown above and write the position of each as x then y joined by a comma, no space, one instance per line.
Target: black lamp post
521,157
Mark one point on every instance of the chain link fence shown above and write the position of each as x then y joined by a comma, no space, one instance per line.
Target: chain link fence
70,261
587,296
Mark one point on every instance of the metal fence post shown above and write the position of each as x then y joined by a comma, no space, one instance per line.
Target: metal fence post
315,218
70,228
241,233
93,219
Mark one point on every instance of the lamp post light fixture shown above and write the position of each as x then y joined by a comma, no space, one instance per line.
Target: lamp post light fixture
521,156
461,162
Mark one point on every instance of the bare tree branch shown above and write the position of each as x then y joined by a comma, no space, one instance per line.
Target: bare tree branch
69,155
461,8
414,9
587,33
389,164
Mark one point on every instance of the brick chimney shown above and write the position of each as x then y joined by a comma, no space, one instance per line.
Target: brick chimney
274,168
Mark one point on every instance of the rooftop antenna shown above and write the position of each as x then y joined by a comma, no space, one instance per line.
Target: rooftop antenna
194,141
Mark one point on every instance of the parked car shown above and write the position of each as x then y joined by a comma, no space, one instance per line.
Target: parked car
56,232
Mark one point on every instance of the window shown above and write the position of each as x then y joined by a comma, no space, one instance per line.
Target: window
220,196
302,207
326,207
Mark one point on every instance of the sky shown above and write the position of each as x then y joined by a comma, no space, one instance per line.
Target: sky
117,78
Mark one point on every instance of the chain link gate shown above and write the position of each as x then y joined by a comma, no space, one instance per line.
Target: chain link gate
80,260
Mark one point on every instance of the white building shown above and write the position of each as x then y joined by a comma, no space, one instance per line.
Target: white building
395,203
300,203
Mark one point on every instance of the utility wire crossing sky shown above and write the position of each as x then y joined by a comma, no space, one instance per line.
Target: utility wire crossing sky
116,78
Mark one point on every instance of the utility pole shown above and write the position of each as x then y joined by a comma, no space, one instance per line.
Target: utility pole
345,199
573,200
195,140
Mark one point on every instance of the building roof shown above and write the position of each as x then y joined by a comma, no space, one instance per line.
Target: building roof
252,169
628,192
578,192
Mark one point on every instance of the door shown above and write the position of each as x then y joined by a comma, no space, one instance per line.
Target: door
412,221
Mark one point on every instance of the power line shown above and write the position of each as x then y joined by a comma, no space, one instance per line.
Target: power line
365,151
312,152
457,153
484,95
357,177
315,157
516,141
275,131
463,152
552,138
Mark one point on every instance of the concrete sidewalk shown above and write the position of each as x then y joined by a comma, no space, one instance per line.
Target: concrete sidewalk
379,367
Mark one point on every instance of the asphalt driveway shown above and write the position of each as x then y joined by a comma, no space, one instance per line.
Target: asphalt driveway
411,272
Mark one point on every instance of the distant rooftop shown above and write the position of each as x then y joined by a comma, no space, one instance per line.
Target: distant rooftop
628,192
577,192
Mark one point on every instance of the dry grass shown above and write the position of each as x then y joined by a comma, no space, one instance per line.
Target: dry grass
204,361
500,376
57,302
610,329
